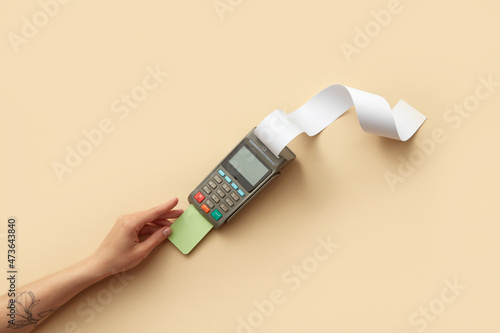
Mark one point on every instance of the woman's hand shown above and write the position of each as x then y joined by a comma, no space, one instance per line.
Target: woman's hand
133,237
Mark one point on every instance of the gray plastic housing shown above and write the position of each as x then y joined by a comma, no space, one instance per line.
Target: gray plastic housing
264,155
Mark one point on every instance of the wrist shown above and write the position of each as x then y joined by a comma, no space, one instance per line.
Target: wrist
95,269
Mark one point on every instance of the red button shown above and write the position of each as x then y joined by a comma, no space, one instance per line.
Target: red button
205,208
199,197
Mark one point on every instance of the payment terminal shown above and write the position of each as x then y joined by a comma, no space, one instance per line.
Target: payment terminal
237,179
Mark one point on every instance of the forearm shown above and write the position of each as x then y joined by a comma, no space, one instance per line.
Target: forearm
120,251
37,300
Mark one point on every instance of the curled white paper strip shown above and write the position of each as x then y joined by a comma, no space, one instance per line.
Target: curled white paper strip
374,114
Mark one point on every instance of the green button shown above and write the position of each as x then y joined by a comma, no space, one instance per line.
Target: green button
216,215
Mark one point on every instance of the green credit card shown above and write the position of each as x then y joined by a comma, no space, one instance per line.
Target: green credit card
189,229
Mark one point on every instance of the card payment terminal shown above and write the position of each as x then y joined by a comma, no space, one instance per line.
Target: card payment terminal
237,179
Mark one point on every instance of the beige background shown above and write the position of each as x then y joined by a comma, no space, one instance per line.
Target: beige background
397,248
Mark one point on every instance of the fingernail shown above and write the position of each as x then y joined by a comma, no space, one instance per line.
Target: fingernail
167,231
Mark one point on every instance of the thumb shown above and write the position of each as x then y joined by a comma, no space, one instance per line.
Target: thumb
154,239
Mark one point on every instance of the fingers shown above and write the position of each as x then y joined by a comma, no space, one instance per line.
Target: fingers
163,223
148,230
153,240
155,212
164,219
154,223
151,227
173,214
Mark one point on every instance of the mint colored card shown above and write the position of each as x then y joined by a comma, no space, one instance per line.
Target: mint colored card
189,229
